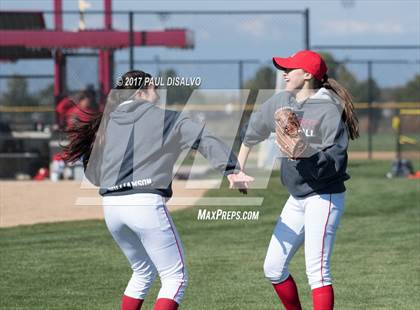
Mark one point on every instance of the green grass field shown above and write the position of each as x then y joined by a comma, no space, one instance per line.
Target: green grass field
77,265
383,142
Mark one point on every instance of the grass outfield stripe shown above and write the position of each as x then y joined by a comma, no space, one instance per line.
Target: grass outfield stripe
375,264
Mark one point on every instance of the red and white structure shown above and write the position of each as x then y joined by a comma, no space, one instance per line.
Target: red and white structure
31,41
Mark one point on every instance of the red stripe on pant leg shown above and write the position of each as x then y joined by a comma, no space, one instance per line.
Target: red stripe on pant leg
323,239
179,251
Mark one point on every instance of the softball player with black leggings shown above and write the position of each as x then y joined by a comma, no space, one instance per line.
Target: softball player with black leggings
315,180
130,152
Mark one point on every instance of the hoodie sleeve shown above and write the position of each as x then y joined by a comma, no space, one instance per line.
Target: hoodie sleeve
332,158
196,136
261,123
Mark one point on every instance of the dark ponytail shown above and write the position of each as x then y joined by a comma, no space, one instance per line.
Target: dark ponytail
349,115
82,133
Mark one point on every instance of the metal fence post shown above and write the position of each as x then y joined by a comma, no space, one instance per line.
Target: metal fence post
370,112
241,73
131,40
306,30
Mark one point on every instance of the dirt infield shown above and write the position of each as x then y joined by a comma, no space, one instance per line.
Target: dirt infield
31,202
383,155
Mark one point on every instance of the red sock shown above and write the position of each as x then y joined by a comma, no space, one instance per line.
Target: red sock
165,304
288,294
130,303
323,298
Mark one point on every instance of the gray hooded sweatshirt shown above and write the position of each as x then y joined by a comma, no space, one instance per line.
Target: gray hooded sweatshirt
141,145
322,169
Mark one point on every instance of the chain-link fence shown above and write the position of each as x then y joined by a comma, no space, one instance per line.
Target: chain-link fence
378,101
26,101
232,50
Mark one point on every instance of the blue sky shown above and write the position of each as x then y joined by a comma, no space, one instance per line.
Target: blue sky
257,36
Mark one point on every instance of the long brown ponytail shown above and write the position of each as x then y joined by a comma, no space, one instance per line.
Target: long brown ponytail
81,135
349,115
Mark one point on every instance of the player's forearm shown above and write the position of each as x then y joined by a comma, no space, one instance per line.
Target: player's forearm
243,155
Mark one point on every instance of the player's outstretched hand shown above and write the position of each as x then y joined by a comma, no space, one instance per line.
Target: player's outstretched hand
240,181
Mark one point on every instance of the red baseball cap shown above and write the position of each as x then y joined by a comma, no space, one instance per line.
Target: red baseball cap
307,60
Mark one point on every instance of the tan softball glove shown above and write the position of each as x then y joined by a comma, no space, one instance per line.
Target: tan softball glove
289,136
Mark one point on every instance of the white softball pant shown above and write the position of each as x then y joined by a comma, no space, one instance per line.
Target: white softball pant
313,221
143,229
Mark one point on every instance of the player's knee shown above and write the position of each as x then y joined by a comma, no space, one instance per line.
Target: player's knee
176,280
275,272
140,284
173,286
146,277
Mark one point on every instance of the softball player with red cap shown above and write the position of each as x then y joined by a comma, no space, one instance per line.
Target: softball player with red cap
313,169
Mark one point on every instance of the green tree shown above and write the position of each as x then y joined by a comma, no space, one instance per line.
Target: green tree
265,78
358,89
46,96
17,93
332,64
362,91
176,94
348,80
409,92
